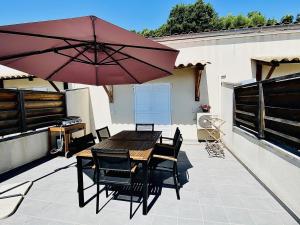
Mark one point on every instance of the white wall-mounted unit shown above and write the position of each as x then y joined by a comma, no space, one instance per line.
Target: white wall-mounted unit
203,126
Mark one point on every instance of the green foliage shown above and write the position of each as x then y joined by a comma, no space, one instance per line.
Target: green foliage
241,21
287,18
201,16
196,17
256,19
298,18
271,22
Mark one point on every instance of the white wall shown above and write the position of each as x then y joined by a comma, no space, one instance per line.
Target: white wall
276,168
35,84
119,115
19,151
78,104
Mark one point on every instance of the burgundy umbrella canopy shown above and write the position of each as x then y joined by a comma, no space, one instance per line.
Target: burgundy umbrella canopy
84,50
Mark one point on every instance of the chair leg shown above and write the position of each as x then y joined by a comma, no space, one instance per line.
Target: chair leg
175,176
106,191
97,198
94,176
131,194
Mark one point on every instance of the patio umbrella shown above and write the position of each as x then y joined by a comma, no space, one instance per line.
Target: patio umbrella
84,50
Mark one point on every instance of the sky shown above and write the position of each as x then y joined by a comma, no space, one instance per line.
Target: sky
131,14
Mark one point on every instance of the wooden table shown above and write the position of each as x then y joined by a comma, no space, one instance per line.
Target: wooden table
140,145
67,132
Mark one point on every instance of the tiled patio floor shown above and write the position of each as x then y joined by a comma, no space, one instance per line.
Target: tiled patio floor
215,192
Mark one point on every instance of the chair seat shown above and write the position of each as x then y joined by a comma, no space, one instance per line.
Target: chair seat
161,164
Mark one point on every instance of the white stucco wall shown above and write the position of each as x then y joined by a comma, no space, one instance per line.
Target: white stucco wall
19,151
35,84
278,169
119,115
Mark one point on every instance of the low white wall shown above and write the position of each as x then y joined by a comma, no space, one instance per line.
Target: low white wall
78,104
19,151
276,168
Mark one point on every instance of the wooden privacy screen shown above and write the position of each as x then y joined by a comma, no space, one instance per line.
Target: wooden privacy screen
246,106
10,116
276,106
29,110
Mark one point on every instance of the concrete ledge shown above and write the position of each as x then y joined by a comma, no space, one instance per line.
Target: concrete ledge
280,152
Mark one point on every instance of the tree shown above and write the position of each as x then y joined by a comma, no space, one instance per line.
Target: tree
241,21
287,18
271,22
201,16
227,21
196,17
298,18
256,19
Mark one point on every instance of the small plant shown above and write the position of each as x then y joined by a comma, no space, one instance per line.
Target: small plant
205,107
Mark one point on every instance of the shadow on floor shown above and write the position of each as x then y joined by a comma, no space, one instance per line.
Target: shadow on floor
157,181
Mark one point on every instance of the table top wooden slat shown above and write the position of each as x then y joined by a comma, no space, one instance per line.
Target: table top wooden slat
140,144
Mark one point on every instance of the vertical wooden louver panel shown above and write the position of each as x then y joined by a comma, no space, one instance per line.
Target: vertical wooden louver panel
29,110
275,105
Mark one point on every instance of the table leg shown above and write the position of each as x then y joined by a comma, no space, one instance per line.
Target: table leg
66,136
49,141
80,182
145,187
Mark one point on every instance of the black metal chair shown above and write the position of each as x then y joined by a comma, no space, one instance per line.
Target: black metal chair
165,158
83,142
144,127
173,140
113,167
103,133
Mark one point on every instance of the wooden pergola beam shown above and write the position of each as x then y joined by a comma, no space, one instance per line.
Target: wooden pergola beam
54,85
258,72
110,92
273,67
198,73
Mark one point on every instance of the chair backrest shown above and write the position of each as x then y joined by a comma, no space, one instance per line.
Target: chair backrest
144,127
178,145
84,142
112,159
176,136
103,133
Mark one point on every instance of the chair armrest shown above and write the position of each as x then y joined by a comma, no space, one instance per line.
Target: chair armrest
165,157
166,138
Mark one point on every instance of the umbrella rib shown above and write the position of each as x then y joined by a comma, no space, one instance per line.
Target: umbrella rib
143,47
43,36
79,51
24,54
106,63
65,64
76,59
123,68
142,61
109,56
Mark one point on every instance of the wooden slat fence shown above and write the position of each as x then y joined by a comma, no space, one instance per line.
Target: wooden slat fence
276,106
22,110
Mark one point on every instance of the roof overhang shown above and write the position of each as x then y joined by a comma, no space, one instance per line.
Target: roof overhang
7,73
276,60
